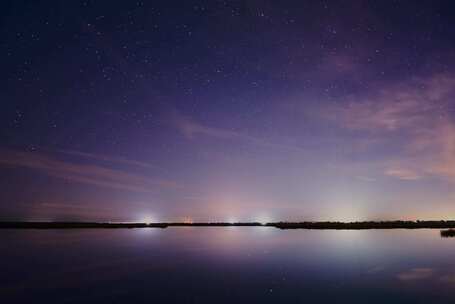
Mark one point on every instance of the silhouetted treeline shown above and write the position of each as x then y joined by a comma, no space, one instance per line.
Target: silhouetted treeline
214,224
448,233
280,225
366,225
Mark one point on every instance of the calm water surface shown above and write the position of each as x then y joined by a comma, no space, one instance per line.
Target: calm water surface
226,265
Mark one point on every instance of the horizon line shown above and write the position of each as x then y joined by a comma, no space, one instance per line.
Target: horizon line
397,224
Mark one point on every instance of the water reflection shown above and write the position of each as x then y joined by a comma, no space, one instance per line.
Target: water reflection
225,265
448,233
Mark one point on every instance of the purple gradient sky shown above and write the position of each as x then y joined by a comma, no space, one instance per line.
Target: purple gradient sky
223,111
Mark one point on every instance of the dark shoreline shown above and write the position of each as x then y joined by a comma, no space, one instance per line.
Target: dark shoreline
448,233
279,225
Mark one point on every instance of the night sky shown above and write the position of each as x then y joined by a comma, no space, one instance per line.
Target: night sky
227,110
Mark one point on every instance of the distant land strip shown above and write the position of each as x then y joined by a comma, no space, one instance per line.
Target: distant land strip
280,225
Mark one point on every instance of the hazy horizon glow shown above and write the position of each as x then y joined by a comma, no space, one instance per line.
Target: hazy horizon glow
260,111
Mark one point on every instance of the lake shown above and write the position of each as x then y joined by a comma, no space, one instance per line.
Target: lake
226,265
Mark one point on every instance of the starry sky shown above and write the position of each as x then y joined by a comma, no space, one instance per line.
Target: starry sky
227,110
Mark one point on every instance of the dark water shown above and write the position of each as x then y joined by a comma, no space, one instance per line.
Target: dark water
226,265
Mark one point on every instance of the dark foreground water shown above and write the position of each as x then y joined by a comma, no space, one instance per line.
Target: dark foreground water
226,265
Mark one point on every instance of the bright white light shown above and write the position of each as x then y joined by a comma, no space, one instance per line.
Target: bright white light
148,219
263,219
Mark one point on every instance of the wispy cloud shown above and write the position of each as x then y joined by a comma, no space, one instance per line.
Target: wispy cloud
191,129
402,173
89,174
108,158
412,116
424,273
402,106
416,274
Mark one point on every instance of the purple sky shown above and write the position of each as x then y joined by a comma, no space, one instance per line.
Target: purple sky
236,111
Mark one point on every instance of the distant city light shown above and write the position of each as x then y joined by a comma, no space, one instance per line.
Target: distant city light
148,219
188,220
232,220
263,219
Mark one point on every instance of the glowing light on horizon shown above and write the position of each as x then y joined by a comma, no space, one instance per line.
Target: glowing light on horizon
148,219
232,220
188,220
263,219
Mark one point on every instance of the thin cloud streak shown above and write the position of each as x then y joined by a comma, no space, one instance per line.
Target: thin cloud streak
415,274
82,173
190,129
111,159
403,174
